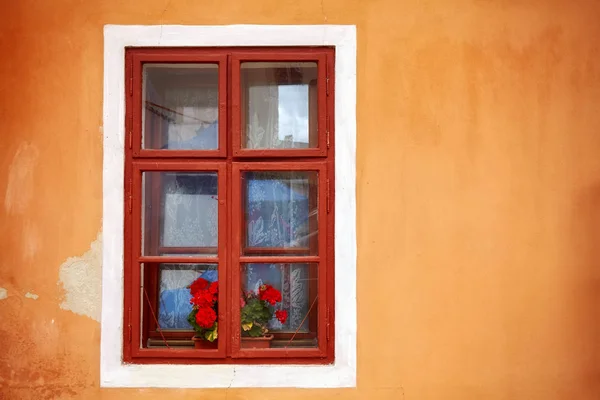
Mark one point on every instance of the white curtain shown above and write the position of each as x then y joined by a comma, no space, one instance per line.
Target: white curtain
262,127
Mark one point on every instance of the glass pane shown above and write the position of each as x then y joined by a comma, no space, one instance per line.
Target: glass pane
166,299
179,213
280,105
281,212
279,300
181,107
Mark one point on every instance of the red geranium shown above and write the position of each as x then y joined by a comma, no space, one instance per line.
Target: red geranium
203,298
257,310
206,317
198,284
269,294
214,288
203,316
281,315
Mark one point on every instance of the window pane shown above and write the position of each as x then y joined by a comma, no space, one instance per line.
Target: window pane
181,107
279,103
293,318
281,213
166,299
180,213
174,294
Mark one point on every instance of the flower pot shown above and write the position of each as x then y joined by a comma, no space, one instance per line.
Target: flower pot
262,342
201,343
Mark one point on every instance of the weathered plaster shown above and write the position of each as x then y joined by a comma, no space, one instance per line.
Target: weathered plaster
3,293
19,189
31,296
81,279
478,194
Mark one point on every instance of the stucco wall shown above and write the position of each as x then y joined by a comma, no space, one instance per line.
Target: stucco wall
478,195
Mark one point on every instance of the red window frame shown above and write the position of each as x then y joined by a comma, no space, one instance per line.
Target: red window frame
228,161
236,102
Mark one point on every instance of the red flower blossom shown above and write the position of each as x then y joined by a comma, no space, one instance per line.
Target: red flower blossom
203,298
281,315
214,288
206,317
198,284
269,294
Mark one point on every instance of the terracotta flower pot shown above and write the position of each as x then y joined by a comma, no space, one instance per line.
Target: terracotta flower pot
262,342
201,343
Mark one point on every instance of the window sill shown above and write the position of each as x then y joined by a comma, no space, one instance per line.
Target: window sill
227,376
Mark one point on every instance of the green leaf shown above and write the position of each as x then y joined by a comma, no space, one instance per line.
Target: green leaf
256,331
247,326
192,321
212,334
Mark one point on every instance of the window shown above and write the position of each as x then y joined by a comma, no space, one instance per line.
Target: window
229,164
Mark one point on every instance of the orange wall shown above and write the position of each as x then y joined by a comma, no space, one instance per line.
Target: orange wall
478,193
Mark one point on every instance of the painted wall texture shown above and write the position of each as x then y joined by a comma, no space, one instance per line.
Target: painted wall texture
478,194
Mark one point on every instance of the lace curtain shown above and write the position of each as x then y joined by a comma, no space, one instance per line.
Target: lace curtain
277,110
189,219
277,211
262,130
277,214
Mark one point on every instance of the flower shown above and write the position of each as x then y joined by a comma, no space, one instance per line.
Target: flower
281,315
206,317
203,316
198,284
214,287
203,298
257,310
269,294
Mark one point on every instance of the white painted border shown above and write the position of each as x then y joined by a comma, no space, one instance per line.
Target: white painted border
113,373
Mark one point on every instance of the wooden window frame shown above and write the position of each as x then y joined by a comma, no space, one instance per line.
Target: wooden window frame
138,57
239,258
228,161
299,55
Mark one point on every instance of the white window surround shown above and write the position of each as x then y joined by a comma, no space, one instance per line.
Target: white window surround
113,372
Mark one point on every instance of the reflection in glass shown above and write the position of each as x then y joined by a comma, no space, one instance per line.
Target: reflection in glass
298,285
179,213
281,212
180,106
280,105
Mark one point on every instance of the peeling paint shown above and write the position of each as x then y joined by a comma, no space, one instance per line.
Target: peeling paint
81,279
32,296
19,190
3,293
